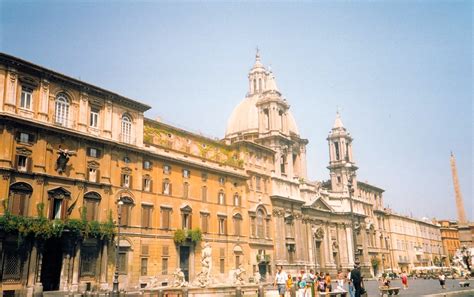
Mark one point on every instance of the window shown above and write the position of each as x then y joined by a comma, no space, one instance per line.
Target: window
24,137
92,175
186,173
258,181
289,228
280,114
237,200
221,198
237,261
336,149
93,152
94,117
88,261
126,180
252,226
186,190
338,179
204,222
237,224
62,110
126,129
125,211
144,267
222,260
22,163
222,225
146,165
57,208
147,184
260,224
91,205
26,95
283,164
164,266
122,263
167,187
19,198
166,169
186,223
146,216
204,194
221,180
165,218
267,119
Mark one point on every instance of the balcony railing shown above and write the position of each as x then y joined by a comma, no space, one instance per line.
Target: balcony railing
63,121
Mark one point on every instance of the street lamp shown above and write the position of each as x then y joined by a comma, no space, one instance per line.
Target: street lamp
351,191
115,288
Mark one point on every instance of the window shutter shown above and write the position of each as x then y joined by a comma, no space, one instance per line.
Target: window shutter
151,185
163,188
51,208
15,204
64,208
31,138
88,151
130,182
97,176
17,157
99,153
143,184
23,204
17,135
29,164
122,177
190,221
171,187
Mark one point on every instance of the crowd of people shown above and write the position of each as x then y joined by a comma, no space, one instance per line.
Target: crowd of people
310,283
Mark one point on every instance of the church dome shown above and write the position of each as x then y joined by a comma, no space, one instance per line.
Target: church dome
262,86
244,118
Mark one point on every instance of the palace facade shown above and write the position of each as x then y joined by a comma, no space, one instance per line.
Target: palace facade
77,160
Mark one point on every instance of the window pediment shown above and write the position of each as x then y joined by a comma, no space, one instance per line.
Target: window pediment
59,193
28,81
92,195
186,209
23,151
93,164
126,170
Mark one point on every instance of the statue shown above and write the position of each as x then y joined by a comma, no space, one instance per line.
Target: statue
179,279
204,277
63,158
239,275
257,277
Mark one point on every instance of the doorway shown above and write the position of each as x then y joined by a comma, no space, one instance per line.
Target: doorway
51,265
262,269
184,261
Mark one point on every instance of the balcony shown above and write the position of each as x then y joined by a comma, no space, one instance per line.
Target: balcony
127,138
63,121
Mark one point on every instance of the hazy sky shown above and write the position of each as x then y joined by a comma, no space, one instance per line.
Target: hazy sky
400,72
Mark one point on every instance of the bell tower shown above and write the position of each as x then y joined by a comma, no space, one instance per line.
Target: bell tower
341,162
257,77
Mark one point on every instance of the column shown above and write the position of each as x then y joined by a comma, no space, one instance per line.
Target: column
350,246
12,84
75,271
83,108
44,101
108,120
32,270
103,267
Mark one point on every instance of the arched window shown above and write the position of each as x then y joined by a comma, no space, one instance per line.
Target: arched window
237,224
62,110
237,200
259,85
260,224
221,198
19,198
125,210
126,129
255,86
91,205
167,187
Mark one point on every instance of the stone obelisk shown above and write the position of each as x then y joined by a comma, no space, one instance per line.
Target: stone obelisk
457,192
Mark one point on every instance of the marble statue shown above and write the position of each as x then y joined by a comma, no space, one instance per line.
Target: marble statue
179,279
239,275
63,158
204,277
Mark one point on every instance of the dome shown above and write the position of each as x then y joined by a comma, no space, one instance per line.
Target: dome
244,118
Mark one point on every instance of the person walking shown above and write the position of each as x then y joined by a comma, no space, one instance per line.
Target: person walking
442,280
404,278
350,286
280,281
356,279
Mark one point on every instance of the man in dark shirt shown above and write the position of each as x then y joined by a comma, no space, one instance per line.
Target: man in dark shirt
356,279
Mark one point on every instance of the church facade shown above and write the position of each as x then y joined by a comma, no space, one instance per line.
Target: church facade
77,161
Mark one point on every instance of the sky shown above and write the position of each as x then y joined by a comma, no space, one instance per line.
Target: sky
399,72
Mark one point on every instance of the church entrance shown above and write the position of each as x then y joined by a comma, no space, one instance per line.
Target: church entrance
184,260
51,265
